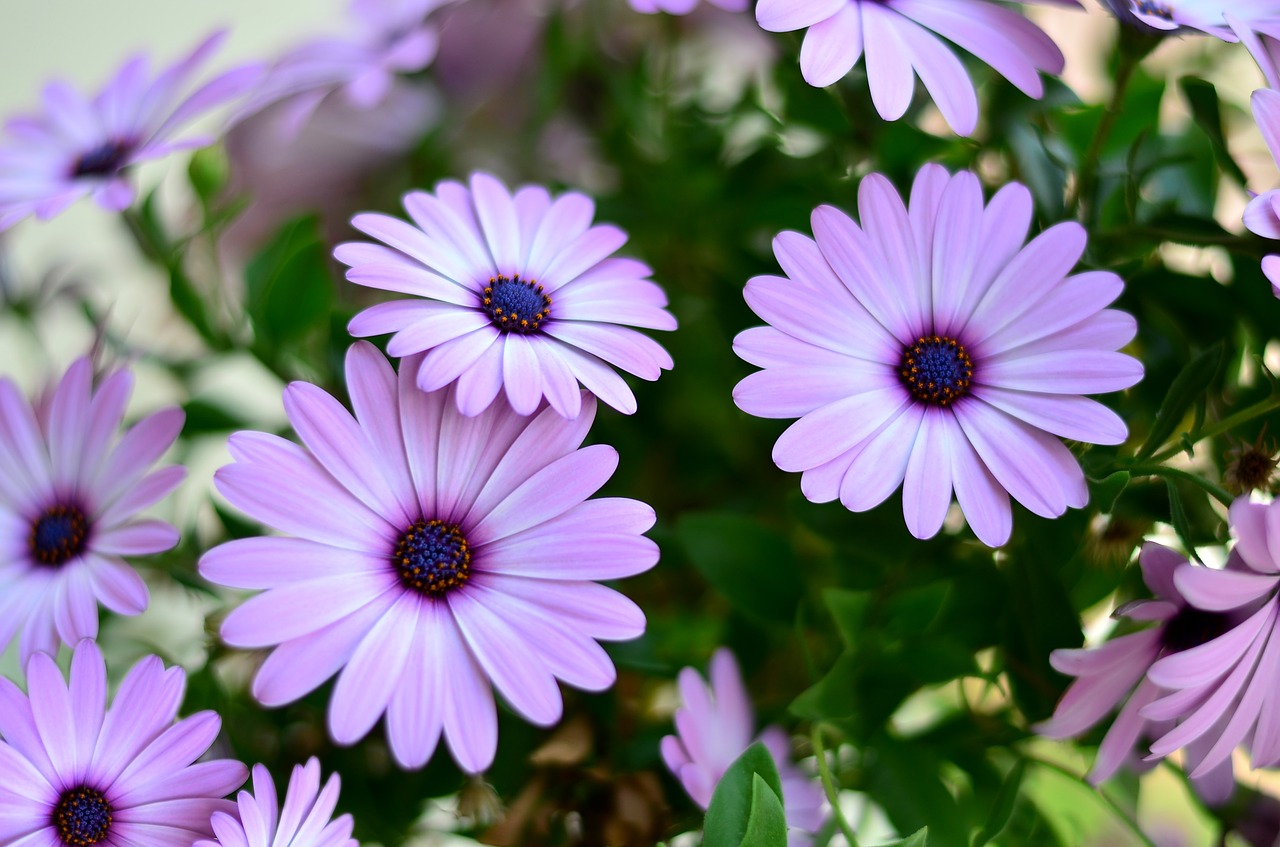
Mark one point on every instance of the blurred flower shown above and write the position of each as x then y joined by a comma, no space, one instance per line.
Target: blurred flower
81,146
716,726
304,820
68,507
1116,674
433,555
899,39
684,7
75,773
1250,466
1254,23
388,37
929,348
1262,215
485,267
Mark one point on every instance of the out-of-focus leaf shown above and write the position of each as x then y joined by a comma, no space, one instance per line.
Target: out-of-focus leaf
735,800
208,174
1106,491
1003,808
289,285
1205,108
905,781
1179,520
1185,390
204,417
750,564
848,610
917,839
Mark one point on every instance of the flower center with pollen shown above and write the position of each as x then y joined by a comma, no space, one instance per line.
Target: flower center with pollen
1193,627
515,304
58,535
82,816
433,557
103,160
1159,10
936,370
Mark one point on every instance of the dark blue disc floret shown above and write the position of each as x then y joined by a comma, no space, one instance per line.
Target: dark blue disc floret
937,370
433,557
82,816
515,304
104,160
1193,627
59,534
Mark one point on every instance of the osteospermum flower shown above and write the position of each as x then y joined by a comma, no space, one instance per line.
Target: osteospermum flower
430,556
517,293
929,348
1262,215
305,820
76,773
1115,675
715,726
70,493
900,38
684,7
1254,23
81,146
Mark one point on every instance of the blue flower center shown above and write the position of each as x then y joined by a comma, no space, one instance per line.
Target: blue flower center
1159,10
103,160
82,817
1193,627
936,370
433,557
59,534
515,304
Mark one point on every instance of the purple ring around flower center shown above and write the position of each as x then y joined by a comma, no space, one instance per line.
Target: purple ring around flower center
432,557
937,370
82,817
515,304
59,534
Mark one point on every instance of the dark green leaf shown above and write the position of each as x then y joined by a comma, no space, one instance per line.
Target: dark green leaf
750,564
734,798
918,839
1185,390
289,285
1178,518
1002,810
204,417
1203,98
767,824
1106,491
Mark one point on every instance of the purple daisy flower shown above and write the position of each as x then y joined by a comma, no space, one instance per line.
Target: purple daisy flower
306,819
69,501
684,7
929,348
715,726
431,555
1116,674
1262,215
901,40
75,773
81,146
517,292
1227,685
1254,23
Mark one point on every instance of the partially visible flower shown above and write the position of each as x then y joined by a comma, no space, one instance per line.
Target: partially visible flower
70,493
517,293
76,773
684,7
715,726
929,348
1116,675
429,558
305,820
81,146
387,38
1254,23
1251,467
900,38
1262,215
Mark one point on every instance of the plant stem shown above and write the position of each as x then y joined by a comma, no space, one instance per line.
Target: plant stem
1216,491
1225,425
828,785
1083,192
1106,798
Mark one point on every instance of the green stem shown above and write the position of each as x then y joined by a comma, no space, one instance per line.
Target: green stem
1225,425
1083,193
1216,491
828,785
1106,798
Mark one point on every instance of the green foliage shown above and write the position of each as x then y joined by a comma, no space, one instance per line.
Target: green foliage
746,809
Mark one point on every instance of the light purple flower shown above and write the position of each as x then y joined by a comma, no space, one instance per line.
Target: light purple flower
1228,685
1262,215
429,555
900,38
76,773
715,726
1254,23
386,38
70,493
81,146
304,820
511,292
684,7
1116,674
930,348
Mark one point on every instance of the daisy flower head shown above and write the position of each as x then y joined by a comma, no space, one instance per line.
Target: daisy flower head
1116,675
429,558
715,725
902,39
305,820
75,773
1254,23
930,348
1262,215
516,293
684,7
70,494
82,146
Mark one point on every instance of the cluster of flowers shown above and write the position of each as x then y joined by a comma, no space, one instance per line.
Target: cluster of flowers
438,541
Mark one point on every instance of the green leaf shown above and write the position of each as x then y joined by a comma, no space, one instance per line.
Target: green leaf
767,824
1185,390
1106,491
203,417
208,174
753,566
1203,99
289,285
1178,518
734,802
918,839
1002,810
